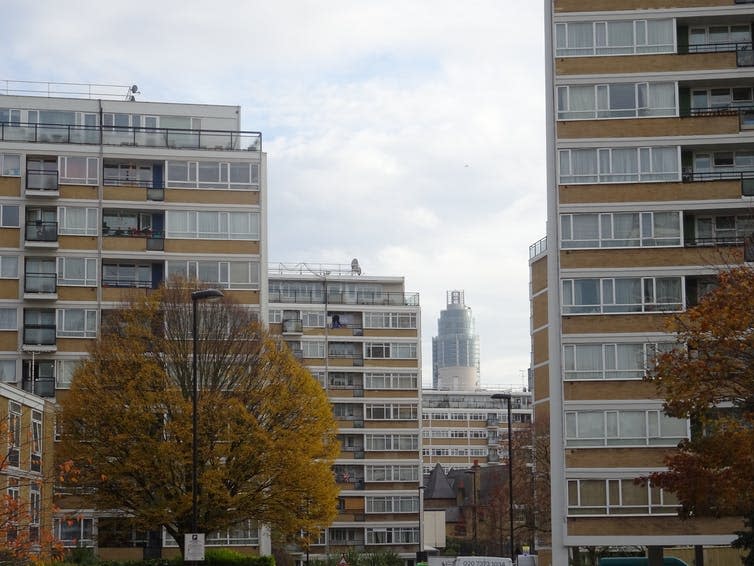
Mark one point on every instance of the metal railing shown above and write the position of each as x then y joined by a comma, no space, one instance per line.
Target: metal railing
41,180
40,282
345,297
537,248
689,176
180,138
743,50
39,334
42,231
732,240
127,283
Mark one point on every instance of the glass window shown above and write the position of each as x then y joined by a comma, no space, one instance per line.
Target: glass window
10,164
9,218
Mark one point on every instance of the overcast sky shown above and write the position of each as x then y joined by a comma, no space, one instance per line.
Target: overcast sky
408,134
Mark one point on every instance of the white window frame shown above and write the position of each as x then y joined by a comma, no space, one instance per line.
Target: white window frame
606,297
573,365
63,320
605,231
10,165
3,223
89,268
609,507
91,223
644,173
639,110
91,168
637,46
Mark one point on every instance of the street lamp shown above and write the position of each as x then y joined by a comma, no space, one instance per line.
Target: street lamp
196,296
507,398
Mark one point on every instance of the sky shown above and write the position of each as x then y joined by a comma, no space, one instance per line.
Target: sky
409,134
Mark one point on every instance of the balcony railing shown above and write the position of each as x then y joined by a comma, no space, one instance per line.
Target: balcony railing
39,334
345,298
222,140
40,283
689,176
41,180
127,283
292,325
42,231
42,386
537,248
743,50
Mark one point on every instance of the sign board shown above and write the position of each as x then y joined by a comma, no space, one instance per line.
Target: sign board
193,547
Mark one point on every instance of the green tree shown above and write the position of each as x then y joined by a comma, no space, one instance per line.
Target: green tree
709,379
266,434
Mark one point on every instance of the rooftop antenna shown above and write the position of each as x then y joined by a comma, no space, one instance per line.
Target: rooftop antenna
134,89
355,267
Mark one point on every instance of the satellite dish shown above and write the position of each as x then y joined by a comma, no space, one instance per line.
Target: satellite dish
355,267
134,89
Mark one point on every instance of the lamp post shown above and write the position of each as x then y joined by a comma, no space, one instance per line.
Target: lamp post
507,398
196,296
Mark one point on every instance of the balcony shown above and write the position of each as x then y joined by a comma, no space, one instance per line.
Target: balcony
344,297
132,275
293,326
39,329
220,140
40,285
41,182
42,233
743,51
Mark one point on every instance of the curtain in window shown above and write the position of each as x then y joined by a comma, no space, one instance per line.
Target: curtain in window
586,292
584,165
579,38
668,290
625,228
661,99
586,227
620,38
659,37
580,101
624,165
667,225
593,493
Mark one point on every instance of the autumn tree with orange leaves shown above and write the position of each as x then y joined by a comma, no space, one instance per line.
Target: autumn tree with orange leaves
266,430
709,379
24,536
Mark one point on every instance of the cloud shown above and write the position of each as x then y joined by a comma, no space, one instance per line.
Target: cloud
407,134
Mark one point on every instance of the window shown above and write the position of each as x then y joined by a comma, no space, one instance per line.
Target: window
624,295
619,100
704,39
619,37
79,170
393,535
64,373
126,275
390,380
391,411
77,221
313,349
394,442
35,510
77,271
620,229
9,318
392,350
212,225
10,163
392,504
8,267
36,441
391,473
77,323
212,174
313,319
14,434
74,531
225,274
389,320
8,371
610,361
275,316
623,428
618,165
9,216
618,497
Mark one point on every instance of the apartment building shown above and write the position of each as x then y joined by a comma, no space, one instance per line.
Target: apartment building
650,183
98,197
464,428
26,467
360,335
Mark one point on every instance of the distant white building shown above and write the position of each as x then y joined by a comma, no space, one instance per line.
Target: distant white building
455,349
